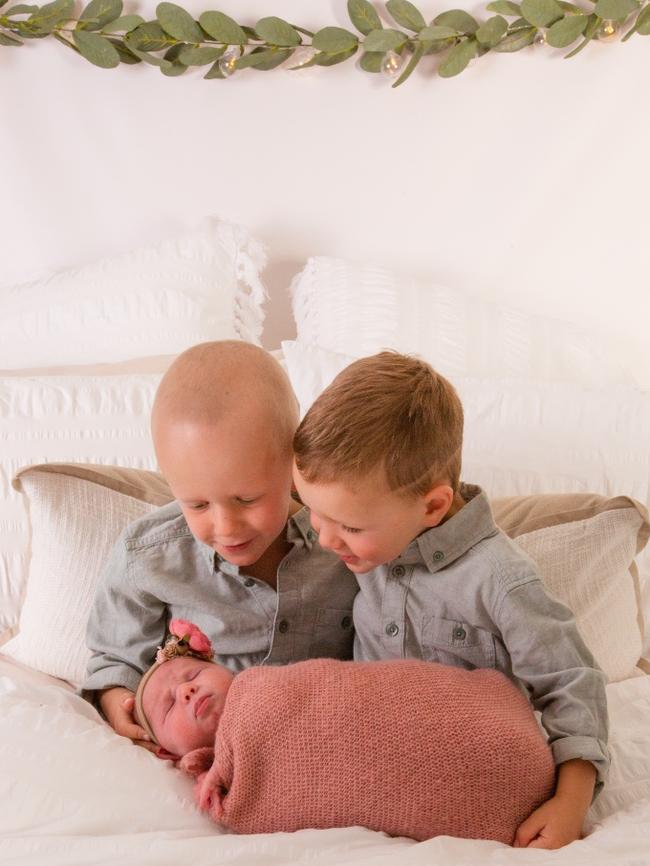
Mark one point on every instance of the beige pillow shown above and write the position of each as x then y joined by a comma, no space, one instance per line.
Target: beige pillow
585,546
76,514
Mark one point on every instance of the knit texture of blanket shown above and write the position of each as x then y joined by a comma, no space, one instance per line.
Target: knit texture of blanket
409,747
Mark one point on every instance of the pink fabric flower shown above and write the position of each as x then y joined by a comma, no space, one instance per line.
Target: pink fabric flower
198,641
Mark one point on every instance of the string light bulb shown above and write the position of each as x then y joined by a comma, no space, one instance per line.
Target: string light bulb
391,64
608,31
228,61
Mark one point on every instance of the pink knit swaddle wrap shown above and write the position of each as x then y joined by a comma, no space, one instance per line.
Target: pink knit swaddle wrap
409,747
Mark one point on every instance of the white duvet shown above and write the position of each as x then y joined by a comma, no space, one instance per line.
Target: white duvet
72,792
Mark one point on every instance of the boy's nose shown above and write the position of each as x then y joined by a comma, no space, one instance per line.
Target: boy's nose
328,538
224,523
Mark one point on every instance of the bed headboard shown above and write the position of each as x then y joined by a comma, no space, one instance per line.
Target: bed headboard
522,180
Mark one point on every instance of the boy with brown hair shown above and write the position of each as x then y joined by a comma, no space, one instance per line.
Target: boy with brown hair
377,461
234,553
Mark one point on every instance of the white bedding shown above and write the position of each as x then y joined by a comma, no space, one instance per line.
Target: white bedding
72,792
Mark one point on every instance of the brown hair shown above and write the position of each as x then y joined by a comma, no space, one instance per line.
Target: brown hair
387,411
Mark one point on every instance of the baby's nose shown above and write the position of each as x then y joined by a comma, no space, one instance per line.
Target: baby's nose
185,691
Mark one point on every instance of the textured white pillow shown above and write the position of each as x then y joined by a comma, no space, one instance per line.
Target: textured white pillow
359,309
98,419
151,301
74,525
524,437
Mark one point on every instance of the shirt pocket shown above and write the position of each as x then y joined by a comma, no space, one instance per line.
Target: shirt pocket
454,642
333,633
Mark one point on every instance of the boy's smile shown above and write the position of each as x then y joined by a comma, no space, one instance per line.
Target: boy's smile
365,523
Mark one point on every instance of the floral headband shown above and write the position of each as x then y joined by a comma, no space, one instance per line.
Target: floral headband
184,639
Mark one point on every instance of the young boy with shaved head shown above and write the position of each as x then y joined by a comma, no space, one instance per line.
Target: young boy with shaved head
233,553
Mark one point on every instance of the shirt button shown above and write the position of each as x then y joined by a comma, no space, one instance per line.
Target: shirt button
438,556
392,629
311,535
283,626
346,622
398,571
460,633
249,582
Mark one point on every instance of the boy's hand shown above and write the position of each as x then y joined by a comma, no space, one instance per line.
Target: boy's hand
554,824
117,705
559,820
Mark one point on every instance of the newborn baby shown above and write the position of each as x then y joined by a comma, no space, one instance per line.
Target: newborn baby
408,747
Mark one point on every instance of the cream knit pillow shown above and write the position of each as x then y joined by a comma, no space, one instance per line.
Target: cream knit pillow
76,515
584,546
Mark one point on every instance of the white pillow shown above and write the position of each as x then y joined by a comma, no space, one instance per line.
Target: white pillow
100,419
531,437
76,515
151,301
359,309
66,774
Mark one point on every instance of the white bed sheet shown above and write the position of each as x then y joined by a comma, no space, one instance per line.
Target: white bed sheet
74,793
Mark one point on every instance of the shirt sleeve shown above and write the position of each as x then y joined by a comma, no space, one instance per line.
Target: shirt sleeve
124,627
561,675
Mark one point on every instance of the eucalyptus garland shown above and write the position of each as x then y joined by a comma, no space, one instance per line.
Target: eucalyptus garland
175,41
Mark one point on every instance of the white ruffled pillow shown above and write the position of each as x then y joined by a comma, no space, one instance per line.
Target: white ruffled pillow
359,309
151,301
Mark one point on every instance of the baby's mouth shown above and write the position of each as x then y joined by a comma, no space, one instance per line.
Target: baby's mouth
200,705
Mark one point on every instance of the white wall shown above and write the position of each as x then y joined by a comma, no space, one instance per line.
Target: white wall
525,179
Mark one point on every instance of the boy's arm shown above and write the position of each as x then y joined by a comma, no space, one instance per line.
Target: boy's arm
124,627
563,680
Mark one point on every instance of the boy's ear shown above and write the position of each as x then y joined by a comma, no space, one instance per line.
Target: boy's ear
437,503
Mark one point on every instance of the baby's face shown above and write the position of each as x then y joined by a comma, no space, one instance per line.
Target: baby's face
183,701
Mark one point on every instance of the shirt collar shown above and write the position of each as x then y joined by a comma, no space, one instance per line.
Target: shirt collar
441,545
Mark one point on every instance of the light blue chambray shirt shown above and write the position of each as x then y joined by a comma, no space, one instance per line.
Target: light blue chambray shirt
464,594
158,571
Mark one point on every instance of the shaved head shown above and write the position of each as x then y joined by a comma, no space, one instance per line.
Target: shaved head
226,384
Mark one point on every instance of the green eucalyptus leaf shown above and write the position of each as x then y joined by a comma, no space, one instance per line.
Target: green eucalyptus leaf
97,49
406,14
458,58
126,56
222,28
175,67
333,40
371,61
277,32
123,24
151,59
643,22
516,41
565,31
570,7
593,24
45,19
214,72
200,55
504,7
385,40
615,10
541,13
98,13
436,32
519,24
459,20
492,31
9,40
410,66
21,9
364,17
148,37
325,59
178,23
263,58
